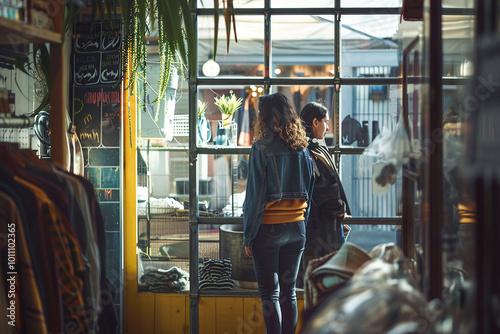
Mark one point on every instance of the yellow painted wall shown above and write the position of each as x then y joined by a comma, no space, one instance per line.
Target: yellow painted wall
169,313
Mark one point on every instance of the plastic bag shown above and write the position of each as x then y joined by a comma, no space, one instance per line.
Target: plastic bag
385,156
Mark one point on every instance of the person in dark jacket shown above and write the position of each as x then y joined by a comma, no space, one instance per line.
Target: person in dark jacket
325,231
278,194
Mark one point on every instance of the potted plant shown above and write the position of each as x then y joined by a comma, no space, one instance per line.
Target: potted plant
227,106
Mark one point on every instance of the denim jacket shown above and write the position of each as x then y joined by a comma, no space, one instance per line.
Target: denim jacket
275,172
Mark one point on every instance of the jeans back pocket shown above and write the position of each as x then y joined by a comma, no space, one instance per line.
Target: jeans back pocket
272,230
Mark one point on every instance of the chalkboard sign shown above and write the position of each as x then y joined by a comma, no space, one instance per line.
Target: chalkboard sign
98,57
93,174
87,108
110,67
111,214
87,68
110,117
111,36
105,157
87,38
110,177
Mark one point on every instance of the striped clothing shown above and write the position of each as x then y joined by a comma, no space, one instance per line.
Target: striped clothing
68,259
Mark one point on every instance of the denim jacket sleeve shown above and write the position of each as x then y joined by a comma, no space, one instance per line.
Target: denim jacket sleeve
310,189
256,194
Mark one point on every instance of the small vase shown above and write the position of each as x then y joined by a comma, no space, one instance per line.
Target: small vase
226,119
204,130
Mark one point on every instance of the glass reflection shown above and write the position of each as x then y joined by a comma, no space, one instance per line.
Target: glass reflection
236,4
213,129
302,46
366,197
160,123
221,184
371,3
369,45
245,58
367,111
458,40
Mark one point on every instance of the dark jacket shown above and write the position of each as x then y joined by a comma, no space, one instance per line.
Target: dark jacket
324,230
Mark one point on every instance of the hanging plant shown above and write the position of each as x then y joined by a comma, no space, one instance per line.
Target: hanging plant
176,34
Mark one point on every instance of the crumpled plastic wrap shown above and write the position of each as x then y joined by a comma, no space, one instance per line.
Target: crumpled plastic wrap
381,297
385,156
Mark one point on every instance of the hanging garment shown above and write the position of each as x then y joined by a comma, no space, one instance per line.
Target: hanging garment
23,294
63,250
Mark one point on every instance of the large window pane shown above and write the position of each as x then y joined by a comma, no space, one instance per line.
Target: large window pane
365,112
163,122
164,181
213,130
302,4
302,46
221,184
367,197
300,95
371,3
245,58
236,3
369,41
458,3
458,41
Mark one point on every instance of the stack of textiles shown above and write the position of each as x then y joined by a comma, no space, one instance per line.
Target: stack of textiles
52,249
216,274
166,280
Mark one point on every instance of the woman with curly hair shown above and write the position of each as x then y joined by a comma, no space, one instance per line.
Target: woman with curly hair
276,209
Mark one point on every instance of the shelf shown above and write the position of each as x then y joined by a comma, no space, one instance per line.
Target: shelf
15,32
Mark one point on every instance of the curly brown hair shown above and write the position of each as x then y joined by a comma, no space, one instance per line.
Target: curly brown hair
277,116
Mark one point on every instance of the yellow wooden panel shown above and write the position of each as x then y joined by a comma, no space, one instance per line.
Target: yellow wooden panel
140,311
139,308
206,315
170,314
300,309
229,315
253,318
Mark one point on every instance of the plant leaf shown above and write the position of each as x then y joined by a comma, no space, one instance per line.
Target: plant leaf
173,29
190,32
227,21
110,5
233,17
216,27
21,63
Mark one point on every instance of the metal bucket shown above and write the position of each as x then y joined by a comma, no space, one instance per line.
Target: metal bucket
231,247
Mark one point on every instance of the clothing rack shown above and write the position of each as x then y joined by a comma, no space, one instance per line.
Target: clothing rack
17,121
16,130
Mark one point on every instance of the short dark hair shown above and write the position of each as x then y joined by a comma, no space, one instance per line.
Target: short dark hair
309,112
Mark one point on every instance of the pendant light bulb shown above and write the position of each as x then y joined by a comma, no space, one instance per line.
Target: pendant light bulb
210,68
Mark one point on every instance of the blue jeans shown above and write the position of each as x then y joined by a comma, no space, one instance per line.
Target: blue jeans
277,250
